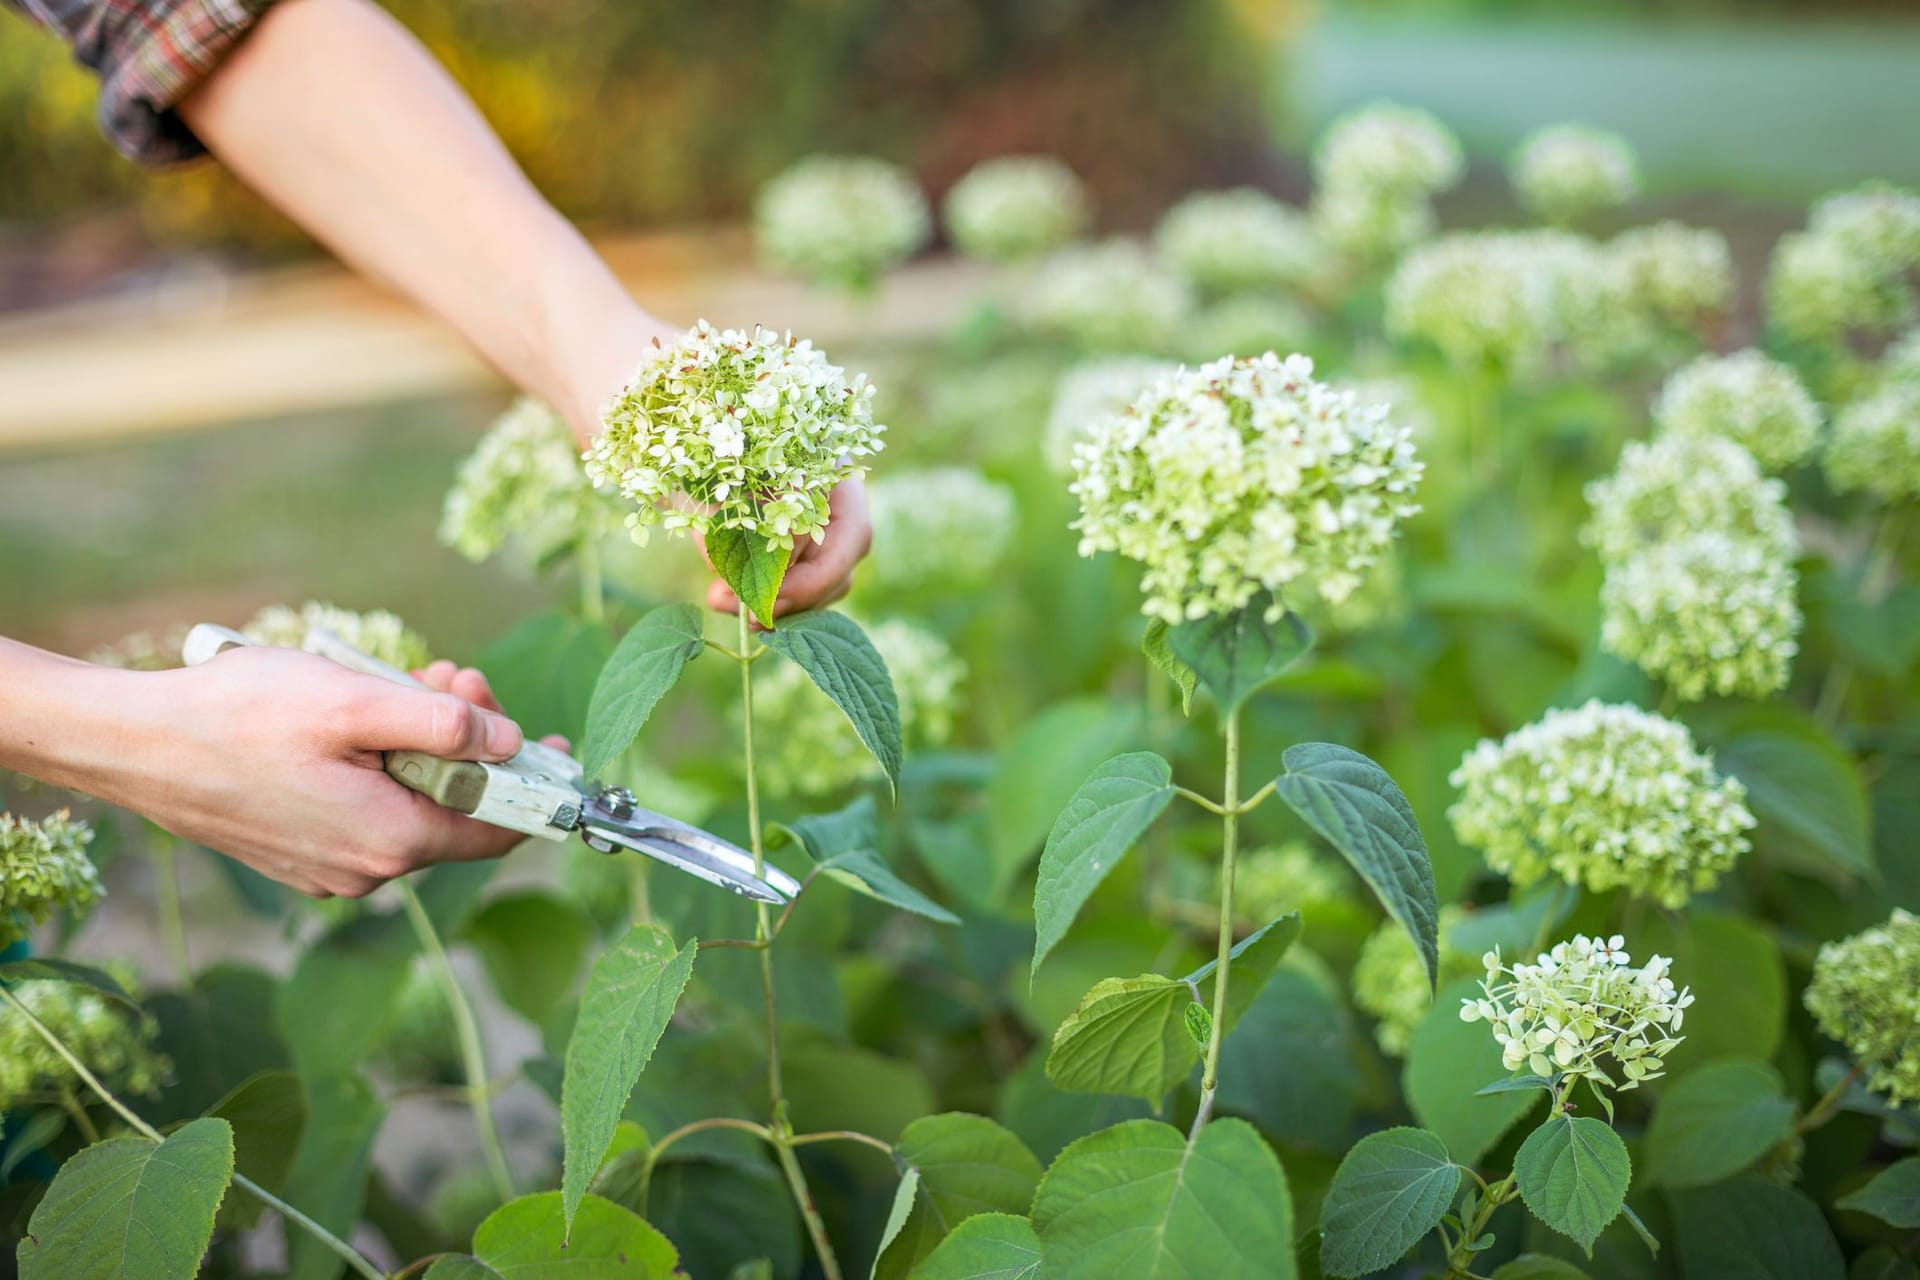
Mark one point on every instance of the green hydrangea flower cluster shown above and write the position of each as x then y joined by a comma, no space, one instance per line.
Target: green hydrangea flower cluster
730,430
44,868
1012,208
1679,485
1094,390
1865,994
1758,403
1242,475
1849,271
117,1045
1667,275
1390,982
942,528
1504,298
1580,1009
377,633
841,220
1109,296
1376,171
1272,880
525,484
1875,445
1565,172
1608,796
1238,240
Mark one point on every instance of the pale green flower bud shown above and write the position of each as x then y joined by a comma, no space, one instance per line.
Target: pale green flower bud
1865,993
1110,296
1384,147
1677,485
44,868
1820,289
941,530
1244,475
1757,403
525,484
1390,982
1565,172
1673,276
1015,207
730,430
841,220
117,1045
1091,391
1231,241
1875,445
376,633
1606,796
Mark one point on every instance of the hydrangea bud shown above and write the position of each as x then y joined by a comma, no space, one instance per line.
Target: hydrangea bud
1091,391
1875,445
525,483
1821,288
1014,207
841,220
44,868
1759,404
1677,485
376,633
1565,172
1390,982
1243,239
944,529
1110,296
1582,1011
116,1044
1384,147
1674,276
1239,476
1865,994
730,430
1611,797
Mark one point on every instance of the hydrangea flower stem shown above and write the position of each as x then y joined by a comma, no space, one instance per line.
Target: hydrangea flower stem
472,1056
1823,1110
340,1248
173,928
1229,842
1459,1256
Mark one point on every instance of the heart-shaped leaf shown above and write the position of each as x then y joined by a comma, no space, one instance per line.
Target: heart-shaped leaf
991,1246
840,660
1389,1191
1573,1173
1234,654
536,1238
646,663
1110,811
751,565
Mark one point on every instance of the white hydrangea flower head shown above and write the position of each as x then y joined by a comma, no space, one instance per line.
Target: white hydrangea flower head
376,633
1370,226
1093,390
1877,221
733,430
1875,444
1676,485
944,529
1582,1011
1564,172
1821,288
841,220
1758,403
1109,296
1231,241
1705,614
1506,298
1390,982
1014,207
116,1044
1674,275
44,868
1608,796
156,650
525,484
1245,322
811,747
1865,994
1240,476
1384,147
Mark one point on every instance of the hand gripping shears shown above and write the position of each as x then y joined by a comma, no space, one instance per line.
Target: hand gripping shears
539,791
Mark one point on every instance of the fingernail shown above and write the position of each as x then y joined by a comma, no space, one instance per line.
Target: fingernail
503,736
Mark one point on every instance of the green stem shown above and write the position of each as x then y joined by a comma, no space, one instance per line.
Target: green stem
344,1251
472,1057
1829,1101
1459,1257
78,1114
654,1152
173,926
592,589
841,1135
1229,842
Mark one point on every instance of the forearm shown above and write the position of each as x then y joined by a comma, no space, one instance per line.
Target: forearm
335,114
56,718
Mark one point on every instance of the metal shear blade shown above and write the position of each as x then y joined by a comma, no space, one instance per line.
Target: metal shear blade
613,822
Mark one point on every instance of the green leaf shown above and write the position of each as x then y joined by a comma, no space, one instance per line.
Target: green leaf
131,1207
533,944
544,671
843,844
534,1238
335,1008
1882,1262
1750,1229
646,663
721,1214
629,997
1517,1084
25,1138
1802,786
840,660
1136,1201
1158,647
1539,1266
1446,1060
1390,1190
1049,757
460,1266
967,1165
1573,1172
1739,983
1112,809
897,1215
992,1246
1199,1025
1254,958
267,1113
1353,803
1715,1121
328,1179
43,969
1233,654
1129,1036
751,565
1893,1196
1288,1065
833,1086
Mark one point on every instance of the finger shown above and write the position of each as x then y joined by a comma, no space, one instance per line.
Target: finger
558,741
814,582
818,567
437,675
472,685
447,836
391,718
721,599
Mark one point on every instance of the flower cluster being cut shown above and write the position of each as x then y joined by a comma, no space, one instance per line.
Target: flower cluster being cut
1875,446
376,633
1390,982
116,1044
1582,1011
1758,403
1243,475
1565,172
525,484
1014,207
44,868
1865,993
1092,391
1608,796
1376,171
1675,486
1110,296
943,529
1243,239
1850,270
841,220
733,430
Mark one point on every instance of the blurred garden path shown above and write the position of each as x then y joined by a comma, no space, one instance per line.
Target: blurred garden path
214,348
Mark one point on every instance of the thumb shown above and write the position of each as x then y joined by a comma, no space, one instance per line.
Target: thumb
440,724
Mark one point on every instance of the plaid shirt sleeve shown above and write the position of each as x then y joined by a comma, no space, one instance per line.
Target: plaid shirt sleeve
148,55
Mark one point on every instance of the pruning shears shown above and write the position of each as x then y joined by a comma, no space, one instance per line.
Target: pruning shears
539,791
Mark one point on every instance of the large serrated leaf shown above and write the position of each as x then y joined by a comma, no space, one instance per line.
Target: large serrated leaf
1353,803
268,1113
534,944
968,1165
646,663
1388,1193
992,1246
1110,811
1715,1121
840,660
1573,1172
1802,786
328,1179
534,1238
844,845
752,566
1234,654
628,1000
131,1207
336,1006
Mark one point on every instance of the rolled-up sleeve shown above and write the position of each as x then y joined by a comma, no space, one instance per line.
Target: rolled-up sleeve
148,54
